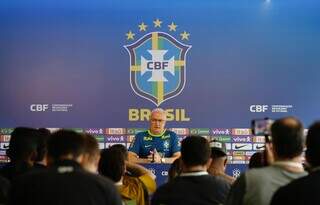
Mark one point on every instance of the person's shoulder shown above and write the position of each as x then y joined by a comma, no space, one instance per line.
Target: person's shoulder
303,183
216,181
97,178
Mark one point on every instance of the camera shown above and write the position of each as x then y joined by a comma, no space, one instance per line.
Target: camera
262,127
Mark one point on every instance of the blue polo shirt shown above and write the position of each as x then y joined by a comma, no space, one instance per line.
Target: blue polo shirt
166,143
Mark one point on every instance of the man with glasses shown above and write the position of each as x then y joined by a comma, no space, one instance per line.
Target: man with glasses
156,144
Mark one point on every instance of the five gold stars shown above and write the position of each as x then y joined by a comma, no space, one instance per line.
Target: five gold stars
142,27
172,27
130,35
157,23
185,35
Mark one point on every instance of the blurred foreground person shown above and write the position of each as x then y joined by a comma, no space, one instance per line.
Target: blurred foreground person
65,181
257,186
22,152
304,191
194,185
133,190
219,161
91,154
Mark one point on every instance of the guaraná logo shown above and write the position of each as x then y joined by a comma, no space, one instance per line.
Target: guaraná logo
157,61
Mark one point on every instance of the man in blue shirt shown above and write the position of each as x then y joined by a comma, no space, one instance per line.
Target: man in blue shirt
156,144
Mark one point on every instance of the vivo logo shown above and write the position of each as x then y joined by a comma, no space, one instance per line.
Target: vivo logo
221,132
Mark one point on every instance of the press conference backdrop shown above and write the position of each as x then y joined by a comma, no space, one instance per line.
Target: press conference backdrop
211,64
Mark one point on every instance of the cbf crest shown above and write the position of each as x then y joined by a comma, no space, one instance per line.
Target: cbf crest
158,61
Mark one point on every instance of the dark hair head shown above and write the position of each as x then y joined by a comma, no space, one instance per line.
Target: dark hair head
91,146
43,136
65,142
287,137
313,145
195,150
216,154
257,160
122,149
175,169
23,143
112,164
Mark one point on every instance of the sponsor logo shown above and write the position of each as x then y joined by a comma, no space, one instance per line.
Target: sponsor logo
3,152
228,146
164,173
238,153
180,131
99,138
242,146
157,62
259,146
222,138
130,138
6,131
238,162
147,138
79,130
152,170
133,131
238,158
220,131
4,159
4,145
236,173
241,131
200,131
101,145
241,139
107,145
116,139
250,153
94,131
259,139
115,131
229,158
5,138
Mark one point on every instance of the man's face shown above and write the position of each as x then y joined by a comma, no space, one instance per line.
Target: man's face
157,122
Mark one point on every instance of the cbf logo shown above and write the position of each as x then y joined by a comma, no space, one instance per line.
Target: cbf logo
158,61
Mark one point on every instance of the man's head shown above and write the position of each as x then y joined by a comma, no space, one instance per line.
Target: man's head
122,149
23,145
43,136
91,154
313,145
287,138
157,121
195,151
112,164
66,144
218,155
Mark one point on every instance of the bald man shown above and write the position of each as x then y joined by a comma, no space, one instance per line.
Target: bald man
156,144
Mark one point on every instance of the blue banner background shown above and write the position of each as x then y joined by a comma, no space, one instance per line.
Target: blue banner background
243,53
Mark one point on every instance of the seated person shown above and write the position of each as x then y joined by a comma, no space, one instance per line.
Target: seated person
133,190
156,144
